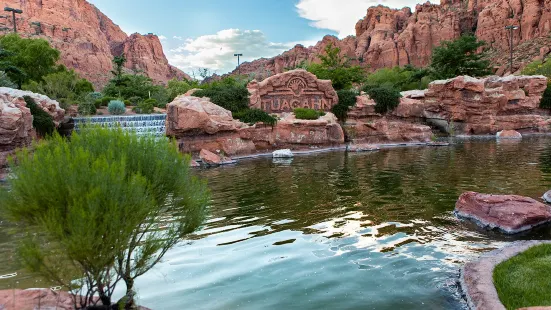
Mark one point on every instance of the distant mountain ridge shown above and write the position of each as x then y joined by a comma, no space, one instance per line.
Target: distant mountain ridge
396,37
88,39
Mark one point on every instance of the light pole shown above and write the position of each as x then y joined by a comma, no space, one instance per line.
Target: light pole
511,28
238,57
13,12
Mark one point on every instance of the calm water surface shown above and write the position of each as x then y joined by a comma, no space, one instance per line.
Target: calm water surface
337,230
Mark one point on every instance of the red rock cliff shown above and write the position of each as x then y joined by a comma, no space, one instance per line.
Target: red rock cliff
88,39
390,37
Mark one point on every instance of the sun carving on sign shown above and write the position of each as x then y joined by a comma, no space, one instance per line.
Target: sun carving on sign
297,85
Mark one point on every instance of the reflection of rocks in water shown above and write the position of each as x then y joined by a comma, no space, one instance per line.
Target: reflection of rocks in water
508,141
282,161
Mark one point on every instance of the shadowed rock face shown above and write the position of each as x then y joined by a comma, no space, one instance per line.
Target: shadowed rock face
509,213
390,37
88,39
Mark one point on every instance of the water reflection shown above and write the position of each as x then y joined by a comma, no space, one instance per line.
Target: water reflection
342,231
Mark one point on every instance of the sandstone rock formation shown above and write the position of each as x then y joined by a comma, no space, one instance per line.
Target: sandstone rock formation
88,39
193,115
49,105
198,124
287,91
397,37
509,213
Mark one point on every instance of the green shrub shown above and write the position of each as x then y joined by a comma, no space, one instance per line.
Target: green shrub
107,203
116,107
87,108
104,101
545,102
42,121
253,116
347,99
135,100
401,78
386,98
92,97
538,67
145,107
231,97
309,114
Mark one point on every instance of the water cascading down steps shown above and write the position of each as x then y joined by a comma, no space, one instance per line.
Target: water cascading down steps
151,124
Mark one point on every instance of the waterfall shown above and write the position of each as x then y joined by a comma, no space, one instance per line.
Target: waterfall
153,124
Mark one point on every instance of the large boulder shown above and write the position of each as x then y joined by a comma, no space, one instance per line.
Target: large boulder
510,214
509,134
188,115
49,105
16,123
385,130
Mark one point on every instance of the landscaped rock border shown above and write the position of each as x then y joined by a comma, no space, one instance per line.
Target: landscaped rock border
477,282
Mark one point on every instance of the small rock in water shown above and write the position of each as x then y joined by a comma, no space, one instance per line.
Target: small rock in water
547,197
209,158
509,134
283,154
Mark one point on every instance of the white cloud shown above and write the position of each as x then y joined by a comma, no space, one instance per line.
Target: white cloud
337,16
178,38
162,38
216,51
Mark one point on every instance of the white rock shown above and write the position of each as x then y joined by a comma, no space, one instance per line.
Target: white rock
283,154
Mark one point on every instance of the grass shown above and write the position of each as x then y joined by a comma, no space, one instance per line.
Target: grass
524,280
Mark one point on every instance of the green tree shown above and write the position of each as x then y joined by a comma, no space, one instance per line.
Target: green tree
401,78
34,57
386,98
110,209
131,86
337,69
460,57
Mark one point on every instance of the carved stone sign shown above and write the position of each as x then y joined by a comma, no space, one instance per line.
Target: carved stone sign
290,90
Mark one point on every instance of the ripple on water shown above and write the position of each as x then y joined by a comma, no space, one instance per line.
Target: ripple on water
340,231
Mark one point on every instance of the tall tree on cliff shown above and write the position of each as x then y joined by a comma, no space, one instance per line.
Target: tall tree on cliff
464,56
118,65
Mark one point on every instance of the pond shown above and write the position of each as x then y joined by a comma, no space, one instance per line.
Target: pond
337,230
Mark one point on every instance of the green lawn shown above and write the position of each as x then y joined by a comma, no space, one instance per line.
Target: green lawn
525,280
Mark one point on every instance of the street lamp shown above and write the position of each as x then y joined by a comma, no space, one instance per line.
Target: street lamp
511,28
238,57
13,12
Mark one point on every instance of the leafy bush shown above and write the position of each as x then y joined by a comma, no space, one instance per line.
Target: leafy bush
401,78
545,102
252,116
65,84
460,57
116,107
309,114
347,99
386,99
42,121
176,88
87,108
103,101
145,107
5,80
538,68
107,203
233,97
135,100
336,68
92,97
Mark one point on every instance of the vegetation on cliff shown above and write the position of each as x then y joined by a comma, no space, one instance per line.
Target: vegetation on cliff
110,210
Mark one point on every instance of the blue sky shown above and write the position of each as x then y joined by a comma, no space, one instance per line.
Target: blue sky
206,33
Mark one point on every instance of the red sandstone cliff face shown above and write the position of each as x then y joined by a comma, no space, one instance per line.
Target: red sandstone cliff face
88,39
389,37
